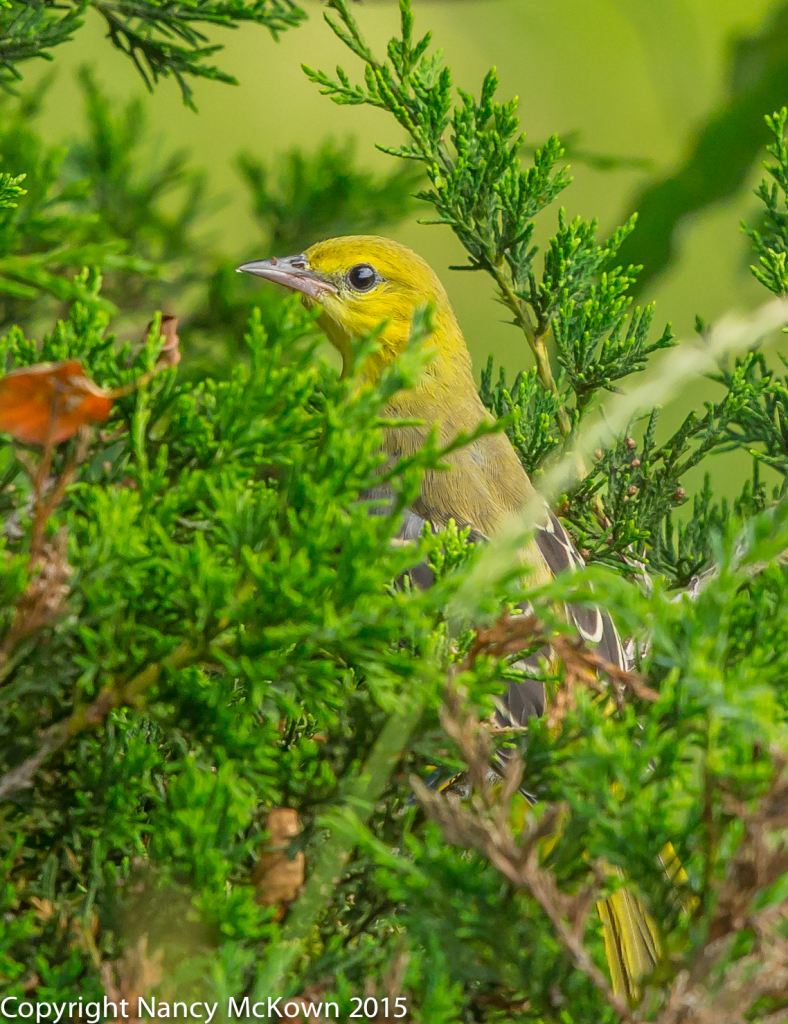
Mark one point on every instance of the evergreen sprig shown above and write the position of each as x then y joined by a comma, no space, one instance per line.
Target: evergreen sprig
771,242
29,30
531,414
162,40
46,233
623,509
309,197
636,492
10,189
761,426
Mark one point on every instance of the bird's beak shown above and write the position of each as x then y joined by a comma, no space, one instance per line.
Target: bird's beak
293,272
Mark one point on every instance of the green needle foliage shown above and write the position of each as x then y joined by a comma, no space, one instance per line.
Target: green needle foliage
770,244
324,195
204,628
155,202
48,233
162,40
110,157
10,189
30,30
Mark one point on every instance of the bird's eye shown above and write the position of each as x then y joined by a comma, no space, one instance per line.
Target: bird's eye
362,277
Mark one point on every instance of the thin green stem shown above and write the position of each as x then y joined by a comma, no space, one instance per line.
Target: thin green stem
536,343
89,715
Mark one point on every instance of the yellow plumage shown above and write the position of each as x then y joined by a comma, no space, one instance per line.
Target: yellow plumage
486,482
361,282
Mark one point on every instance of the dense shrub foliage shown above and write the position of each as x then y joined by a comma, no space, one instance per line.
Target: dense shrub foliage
206,623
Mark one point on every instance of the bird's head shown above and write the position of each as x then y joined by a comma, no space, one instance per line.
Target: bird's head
362,282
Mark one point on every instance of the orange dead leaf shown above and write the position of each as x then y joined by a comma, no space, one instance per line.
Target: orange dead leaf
277,877
50,402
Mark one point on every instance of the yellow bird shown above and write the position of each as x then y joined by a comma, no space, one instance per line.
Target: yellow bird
360,282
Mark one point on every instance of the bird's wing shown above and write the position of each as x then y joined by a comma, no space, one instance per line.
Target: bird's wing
592,623
526,699
631,939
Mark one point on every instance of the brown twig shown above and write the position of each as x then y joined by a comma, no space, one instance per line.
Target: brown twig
277,876
582,669
134,975
484,826
44,597
42,600
511,634
169,356
46,501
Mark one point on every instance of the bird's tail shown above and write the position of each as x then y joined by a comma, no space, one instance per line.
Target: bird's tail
631,941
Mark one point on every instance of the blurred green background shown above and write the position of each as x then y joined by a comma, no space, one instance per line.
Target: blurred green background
633,78
674,90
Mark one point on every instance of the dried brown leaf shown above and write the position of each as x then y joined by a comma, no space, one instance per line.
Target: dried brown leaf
511,634
277,876
170,352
